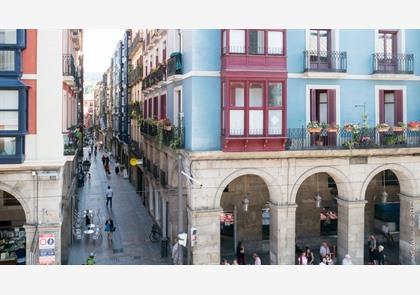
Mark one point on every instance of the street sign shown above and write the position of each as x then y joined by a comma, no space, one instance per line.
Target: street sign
46,249
134,161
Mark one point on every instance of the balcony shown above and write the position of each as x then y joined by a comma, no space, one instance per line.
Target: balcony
402,64
157,75
69,70
175,64
135,75
170,136
359,138
135,44
325,61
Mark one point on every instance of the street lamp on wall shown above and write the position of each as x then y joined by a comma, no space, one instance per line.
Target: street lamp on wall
245,203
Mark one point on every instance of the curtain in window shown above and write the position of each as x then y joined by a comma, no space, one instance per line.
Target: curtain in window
7,60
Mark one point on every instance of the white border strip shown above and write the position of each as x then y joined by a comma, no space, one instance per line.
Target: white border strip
391,77
29,77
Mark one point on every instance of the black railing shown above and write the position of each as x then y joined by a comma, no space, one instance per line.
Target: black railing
148,128
135,75
175,64
155,171
69,69
154,77
163,179
393,63
325,61
363,138
173,137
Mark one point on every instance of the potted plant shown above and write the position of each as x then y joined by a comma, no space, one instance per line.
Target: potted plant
314,127
382,127
333,128
413,126
166,124
399,128
348,127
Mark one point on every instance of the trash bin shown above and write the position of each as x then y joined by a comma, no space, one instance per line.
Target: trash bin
164,247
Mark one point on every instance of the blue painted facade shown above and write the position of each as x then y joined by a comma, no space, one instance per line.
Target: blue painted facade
11,80
358,85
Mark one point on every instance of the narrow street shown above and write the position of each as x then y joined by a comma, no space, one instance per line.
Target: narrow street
130,244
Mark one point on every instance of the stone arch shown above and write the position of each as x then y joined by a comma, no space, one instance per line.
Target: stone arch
270,182
341,180
19,196
406,178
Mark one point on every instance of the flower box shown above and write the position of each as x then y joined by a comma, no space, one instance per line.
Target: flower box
413,128
168,128
332,130
314,129
398,129
382,129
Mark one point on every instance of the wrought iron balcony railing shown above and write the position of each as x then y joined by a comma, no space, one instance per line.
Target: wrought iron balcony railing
325,61
175,64
135,75
393,63
169,136
154,77
363,138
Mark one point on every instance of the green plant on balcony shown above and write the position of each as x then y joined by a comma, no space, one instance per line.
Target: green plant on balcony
314,127
394,139
175,143
400,127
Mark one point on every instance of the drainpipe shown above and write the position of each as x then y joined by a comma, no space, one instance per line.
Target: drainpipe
33,245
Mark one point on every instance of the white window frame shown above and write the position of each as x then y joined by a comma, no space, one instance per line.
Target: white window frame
176,107
400,40
335,39
310,87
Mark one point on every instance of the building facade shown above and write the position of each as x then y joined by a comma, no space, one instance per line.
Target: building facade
40,82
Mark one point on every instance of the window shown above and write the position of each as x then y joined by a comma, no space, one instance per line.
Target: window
237,112
237,41
256,42
7,146
155,108
145,115
387,43
389,102
323,107
320,48
7,60
256,111
8,36
390,107
252,108
157,56
164,52
224,41
150,108
275,42
9,110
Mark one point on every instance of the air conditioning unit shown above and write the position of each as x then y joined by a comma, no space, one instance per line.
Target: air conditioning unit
48,175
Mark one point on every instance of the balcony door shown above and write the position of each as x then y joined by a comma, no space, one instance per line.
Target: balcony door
323,110
390,107
320,49
387,51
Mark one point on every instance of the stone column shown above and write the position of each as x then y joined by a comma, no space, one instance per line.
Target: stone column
151,198
351,222
409,230
207,223
30,235
157,213
282,234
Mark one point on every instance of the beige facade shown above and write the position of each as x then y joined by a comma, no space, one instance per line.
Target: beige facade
283,174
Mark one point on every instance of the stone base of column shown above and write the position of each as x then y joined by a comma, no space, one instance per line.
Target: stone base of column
32,241
350,240
409,230
207,248
282,234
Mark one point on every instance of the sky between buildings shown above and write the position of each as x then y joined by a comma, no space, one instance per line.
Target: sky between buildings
98,47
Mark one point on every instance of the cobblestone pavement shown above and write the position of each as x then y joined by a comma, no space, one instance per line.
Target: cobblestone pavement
130,243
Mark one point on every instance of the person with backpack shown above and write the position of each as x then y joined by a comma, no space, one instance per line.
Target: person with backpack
109,194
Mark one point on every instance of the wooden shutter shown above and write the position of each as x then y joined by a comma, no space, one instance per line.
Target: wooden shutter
398,106
313,106
145,115
163,106
331,106
381,106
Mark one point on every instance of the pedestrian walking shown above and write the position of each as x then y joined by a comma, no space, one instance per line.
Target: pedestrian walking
347,260
81,179
302,260
87,218
91,259
323,261
103,160
109,228
176,252
324,250
380,255
329,259
240,254
109,194
117,168
257,259
95,153
90,155
309,255
372,249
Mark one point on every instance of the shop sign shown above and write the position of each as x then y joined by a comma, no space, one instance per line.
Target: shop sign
46,249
